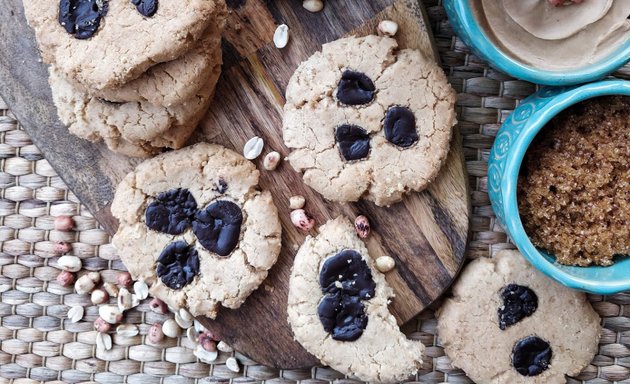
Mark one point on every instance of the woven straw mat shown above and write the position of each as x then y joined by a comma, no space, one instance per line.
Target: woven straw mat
39,344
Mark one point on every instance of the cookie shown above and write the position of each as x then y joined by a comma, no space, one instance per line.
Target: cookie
102,44
132,128
337,308
194,226
366,120
508,323
174,138
175,81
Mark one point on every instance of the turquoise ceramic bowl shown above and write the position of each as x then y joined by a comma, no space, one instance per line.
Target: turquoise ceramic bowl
506,156
465,25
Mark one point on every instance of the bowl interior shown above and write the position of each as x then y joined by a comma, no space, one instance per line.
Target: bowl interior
489,47
595,279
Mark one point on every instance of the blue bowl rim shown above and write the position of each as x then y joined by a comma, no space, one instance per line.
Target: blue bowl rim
506,63
512,167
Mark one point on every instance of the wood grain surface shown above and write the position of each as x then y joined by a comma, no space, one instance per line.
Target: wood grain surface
426,233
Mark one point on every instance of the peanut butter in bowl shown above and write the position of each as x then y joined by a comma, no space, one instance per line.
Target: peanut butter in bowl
555,35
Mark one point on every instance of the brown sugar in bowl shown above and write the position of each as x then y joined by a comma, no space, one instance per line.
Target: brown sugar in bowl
574,185
504,164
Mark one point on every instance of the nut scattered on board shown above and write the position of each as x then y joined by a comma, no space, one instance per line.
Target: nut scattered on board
124,299
75,314
101,325
199,327
64,223
171,328
362,226
281,36
158,306
135,300
70,263
124,279
207,342
94,276
103,341
65,278
313,5
127,330
155,333
62,247
192,334
271,161
141,289
84,285
127,300
185,315
183,323
385,264
387,28
110,313
301,220
297,202
205,356
232,364
223,347
111,289
253,148
99,296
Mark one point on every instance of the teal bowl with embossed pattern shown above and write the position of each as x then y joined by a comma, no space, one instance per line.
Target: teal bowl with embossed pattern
506,156
462,18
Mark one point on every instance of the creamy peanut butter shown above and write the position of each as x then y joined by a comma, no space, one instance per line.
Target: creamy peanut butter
555,38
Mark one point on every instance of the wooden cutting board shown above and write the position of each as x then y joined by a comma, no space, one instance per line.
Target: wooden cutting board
426,233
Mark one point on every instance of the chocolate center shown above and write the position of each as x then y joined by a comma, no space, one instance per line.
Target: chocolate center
171,212
518,303
218,227
531,356
353,141
355,88
81,18
146,7
345,280
400,127
220,186
178,265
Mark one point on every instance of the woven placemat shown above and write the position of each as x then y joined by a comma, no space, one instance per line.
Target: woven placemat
38,343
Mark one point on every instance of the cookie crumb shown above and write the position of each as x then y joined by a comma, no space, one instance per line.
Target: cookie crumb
297,202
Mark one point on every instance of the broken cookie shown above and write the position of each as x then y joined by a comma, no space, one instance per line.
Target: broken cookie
338,311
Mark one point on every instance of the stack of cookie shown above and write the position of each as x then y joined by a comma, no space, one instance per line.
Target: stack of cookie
138,74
